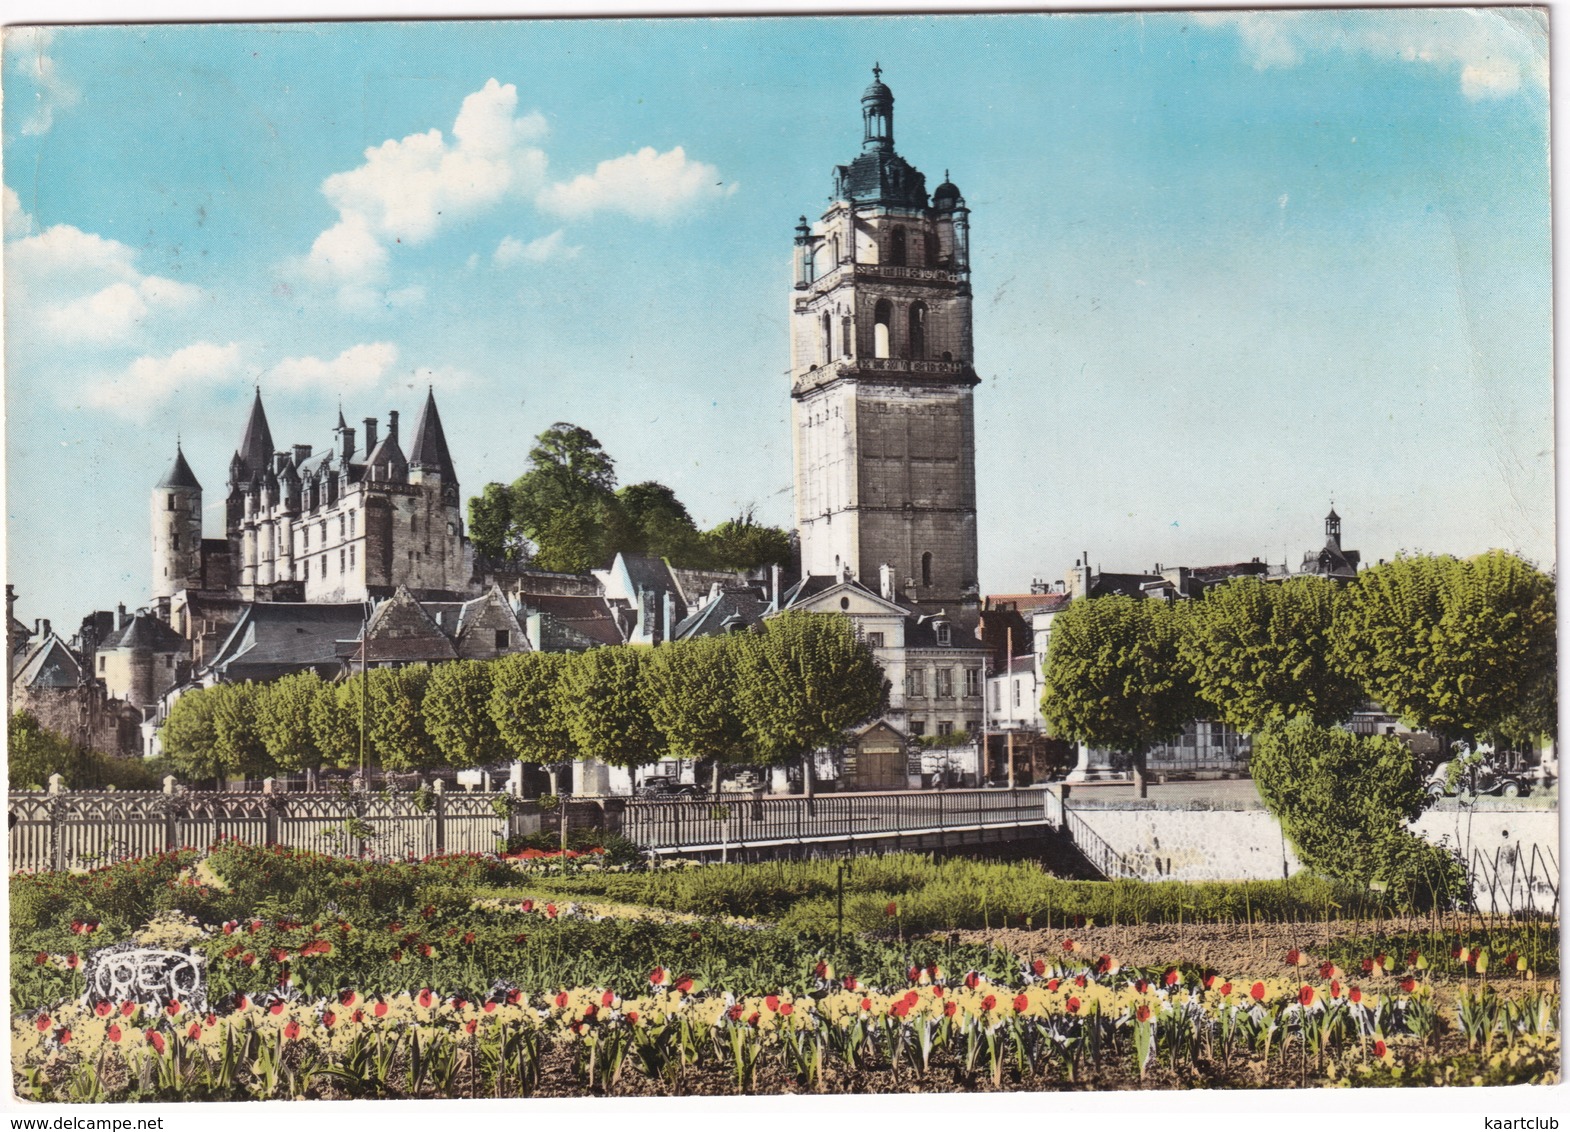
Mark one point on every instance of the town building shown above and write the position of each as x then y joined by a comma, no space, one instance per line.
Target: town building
882,379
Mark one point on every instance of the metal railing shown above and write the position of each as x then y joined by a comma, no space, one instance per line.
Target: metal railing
1094,848
753,820
1502,883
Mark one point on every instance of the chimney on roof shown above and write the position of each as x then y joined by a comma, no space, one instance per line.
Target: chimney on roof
302,453
392,426
119,619
370,434
280,461
886,581
347,448
774,587
41,628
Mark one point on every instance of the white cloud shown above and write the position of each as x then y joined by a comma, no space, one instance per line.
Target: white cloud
1492,51
17,222
27,57
80,286
357,369
149,381
645,185
407,189
513,250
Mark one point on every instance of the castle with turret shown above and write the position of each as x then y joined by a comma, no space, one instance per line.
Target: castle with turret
349,523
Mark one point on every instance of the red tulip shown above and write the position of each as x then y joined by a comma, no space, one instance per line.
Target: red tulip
1305,995
155,1039
608,998
471,1025
1142,1013
103,1009
937,992
347,998
972,980
424,998
866,1004
561,1000
194,1031
276,1008
113,1033
1052,984
657,976
1257,992
174,1007
292,1030
891,910
1068,945
1408,984
1020,1002
949,1008
1171,977
772,1002
44,1022
1380,1048
1294,958
379,1010
684,984
489,1007
989,1002
1354,996
1073,1005
1335,988
786,1009
357,1017
1226,988
1039,967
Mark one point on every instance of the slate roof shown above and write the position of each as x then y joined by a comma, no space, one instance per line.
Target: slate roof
430,442
649,573
718,617
256,443
179,473
273,639
693,585
1103,585
883,177
51,664
144,631
1026,604
921,633
590,616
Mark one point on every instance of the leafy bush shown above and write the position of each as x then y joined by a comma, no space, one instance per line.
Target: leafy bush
1344,802
618,850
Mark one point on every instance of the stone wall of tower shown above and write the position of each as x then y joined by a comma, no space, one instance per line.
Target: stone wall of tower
824,427
177,540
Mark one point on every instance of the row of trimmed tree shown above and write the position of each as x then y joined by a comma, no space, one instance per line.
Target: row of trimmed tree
755,698
1463,648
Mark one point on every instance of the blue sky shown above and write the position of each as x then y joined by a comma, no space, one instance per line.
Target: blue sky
1228,267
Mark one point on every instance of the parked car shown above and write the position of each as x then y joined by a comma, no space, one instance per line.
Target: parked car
663,786
1485,778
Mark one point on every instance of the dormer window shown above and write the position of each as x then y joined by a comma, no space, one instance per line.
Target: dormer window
944,636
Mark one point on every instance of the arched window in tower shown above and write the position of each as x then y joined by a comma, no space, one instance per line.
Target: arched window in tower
828,338
845,339
834,252
926,568
897,247
918,330
882,315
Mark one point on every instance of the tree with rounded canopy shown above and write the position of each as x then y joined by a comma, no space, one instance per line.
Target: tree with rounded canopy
283,719
606,713
1465,648
657,523
690,690
1344,802
395,724
527,707
238,745
34,752
1115,677
491,527
743,543
335,722
457,710
190,736
1261,651
803,683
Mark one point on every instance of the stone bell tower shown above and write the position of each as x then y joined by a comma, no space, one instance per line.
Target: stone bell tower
882,379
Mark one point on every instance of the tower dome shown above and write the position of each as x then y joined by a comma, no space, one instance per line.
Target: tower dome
946,197
877,114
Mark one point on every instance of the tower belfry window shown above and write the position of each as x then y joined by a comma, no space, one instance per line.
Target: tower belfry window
882,315
828,338
897,248
926,568
918,330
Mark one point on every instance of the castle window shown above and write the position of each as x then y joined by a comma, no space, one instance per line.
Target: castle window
503,639
351,554
351,524
845,348
324,567
926,568
341,570
305,570
918,330
944,637
324,532
882,315
170,500
177,542
101,663
945,682
828,338
341,525
972,681
897,248
916,682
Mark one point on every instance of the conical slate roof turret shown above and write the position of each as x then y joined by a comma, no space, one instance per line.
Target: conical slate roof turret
179,474
429,452
256,443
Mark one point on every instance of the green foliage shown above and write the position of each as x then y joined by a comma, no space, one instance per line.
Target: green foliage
1115,676
1465,648
690,690
947,742
658,523
1344,802
283,720
458,719
1260,652
34,753
190,735
527,706
743,543
238,745
335,722
395,729
605,710
804,682
491,528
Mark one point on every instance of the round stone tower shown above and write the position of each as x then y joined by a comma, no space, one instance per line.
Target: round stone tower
177,530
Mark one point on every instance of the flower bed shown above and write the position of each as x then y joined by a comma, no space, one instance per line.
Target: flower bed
1054,1025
